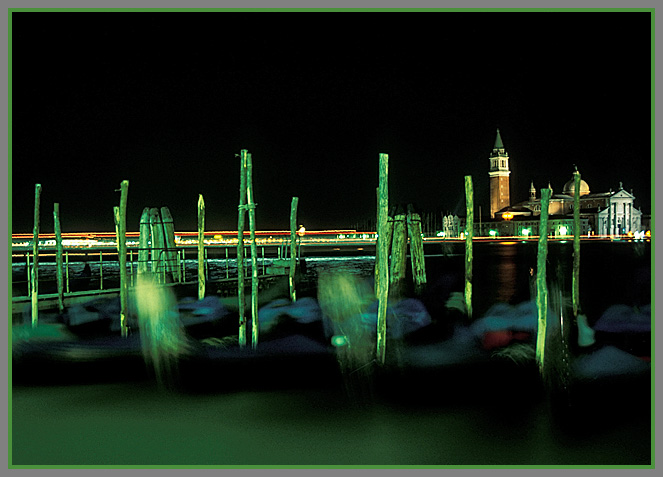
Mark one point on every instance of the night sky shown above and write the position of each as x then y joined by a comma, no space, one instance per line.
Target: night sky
167,100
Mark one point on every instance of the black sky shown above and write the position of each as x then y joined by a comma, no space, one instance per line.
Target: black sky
166,100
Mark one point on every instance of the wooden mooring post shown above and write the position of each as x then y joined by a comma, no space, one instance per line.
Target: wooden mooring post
389,236
34,276
575,281
201,247
172,257
251,206
183,262
59,273
28,272
122,244
143,241
398,268
383,257
66,269
416,251
376,279
101,270
240,246
131,267
293,245
541,285
157,244
469,235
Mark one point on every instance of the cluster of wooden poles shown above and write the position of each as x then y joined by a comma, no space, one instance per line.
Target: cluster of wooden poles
157,238
120,227
390,235
393,233
247,203
402,227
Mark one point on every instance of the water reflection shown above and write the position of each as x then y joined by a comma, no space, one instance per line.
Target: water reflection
506,273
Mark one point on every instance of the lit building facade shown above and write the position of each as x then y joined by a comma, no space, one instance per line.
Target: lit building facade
605,213
602,213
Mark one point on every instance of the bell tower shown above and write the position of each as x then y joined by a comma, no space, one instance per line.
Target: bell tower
499,177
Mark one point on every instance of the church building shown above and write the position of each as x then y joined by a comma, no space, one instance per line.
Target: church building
601,213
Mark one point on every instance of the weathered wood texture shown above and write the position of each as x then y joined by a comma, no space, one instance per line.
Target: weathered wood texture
201,247
251,205
59,263
575,282
416,252
122,255
143,241
398,269
293,247
240,246
172,257
541,284
383,265
34,276
469,235
156,249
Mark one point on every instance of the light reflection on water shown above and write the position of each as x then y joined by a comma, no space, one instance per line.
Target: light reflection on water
501,272
506,273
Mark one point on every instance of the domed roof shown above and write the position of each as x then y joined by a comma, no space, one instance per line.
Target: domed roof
570,186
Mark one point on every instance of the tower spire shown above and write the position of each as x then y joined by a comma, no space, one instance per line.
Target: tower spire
498,141
499,176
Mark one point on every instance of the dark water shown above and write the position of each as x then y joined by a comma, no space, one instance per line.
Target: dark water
435,421
135,424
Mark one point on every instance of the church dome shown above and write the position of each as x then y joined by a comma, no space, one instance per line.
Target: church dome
569,188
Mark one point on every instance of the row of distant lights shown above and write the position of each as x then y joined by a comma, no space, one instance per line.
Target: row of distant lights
362,236
640,235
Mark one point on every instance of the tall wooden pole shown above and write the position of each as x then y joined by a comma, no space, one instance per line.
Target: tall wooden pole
398,269
251,205
416,251
101,270
376,284
240,246
183,265
156,250
34,277
201,247
143,241
28,272
293,245
383,255
122,244
389,238
576,245
541,285
58,256
66,270
469,235
172,257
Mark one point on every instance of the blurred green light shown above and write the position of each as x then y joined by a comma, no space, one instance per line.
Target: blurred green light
339,340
